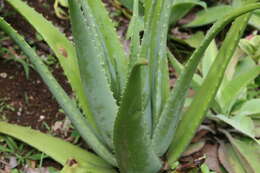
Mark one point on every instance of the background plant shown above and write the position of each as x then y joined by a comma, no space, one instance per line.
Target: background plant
132,116
234,105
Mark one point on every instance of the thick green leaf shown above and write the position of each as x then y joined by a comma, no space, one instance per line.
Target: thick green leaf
210,15
91,59
172,110
205,95
242,123
154,50
115,58
131,138
63,99
250,107
54,147
61,46
228,95
229,159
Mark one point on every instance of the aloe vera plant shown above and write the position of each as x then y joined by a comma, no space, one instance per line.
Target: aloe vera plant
129,116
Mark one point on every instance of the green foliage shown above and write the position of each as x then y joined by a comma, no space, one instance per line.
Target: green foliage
232,104
212,14
132,115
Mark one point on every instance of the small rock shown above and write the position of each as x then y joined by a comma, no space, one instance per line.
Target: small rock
3,75
42,117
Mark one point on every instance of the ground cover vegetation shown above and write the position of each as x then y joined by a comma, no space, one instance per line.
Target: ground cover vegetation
126,105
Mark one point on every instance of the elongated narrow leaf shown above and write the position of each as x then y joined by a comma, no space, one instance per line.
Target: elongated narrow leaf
63,99
171,114
199,106
195,2
135,27
196,80
115,57
132,141
210,15
61,46
79,168
154,49
54,147
233,88
91,57
180,8
179,11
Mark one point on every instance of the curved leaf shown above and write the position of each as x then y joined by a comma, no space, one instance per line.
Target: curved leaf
210,15
233,88
250,107
115,58
154,50
91,57
194,2
132,142
63,99
242,123
136,25
61,46
56,148
171,114
199,106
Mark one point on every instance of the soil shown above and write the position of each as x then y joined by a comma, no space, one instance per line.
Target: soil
30,99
